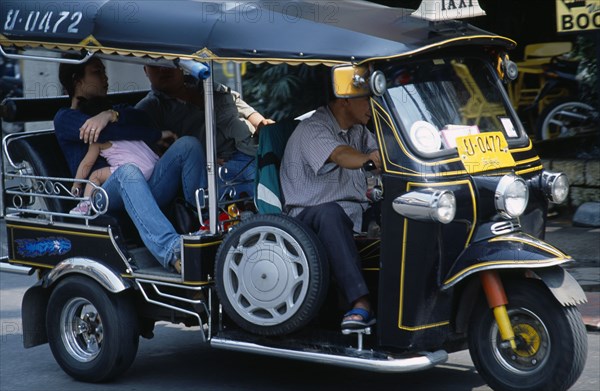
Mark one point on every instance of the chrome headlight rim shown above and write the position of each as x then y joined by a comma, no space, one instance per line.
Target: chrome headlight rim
550,186
444,199
505,186
428,205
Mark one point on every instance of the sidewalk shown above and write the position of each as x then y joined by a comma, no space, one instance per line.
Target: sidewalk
583,244
590,311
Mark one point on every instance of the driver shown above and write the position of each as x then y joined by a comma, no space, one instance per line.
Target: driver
324,187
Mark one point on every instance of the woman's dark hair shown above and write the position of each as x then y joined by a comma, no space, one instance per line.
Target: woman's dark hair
69,74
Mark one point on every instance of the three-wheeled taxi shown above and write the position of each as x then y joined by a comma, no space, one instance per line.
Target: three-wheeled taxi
459,259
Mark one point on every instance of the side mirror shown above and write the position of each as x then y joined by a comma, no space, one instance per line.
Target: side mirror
350,81
507,69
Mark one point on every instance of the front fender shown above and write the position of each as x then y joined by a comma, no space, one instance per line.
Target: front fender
514,251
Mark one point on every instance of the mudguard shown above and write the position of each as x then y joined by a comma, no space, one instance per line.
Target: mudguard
36,298
514,251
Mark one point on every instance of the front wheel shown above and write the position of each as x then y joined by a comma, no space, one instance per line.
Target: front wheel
93,334
551,341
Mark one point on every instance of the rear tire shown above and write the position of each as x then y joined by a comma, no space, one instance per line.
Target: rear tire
271,275
551,341
93,334
566,117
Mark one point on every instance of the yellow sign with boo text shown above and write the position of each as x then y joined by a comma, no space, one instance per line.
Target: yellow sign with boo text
577,15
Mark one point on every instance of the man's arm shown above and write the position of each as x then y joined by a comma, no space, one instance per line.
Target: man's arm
231,126
347,157
247,112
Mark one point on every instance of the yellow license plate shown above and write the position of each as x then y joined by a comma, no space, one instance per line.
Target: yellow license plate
484,152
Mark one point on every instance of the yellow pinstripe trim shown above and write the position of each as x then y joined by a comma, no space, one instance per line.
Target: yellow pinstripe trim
75,233
370,245
438,45
429,326
524,149
533,243
533,159
201,55
503,262
201,245
206,54
381,114
528,170
403,147
400,308
34,264
403,259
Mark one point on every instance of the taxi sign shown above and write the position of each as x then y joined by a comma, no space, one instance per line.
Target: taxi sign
484,152
437,10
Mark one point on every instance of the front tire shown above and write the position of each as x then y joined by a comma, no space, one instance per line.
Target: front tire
271,275
93,334
551,341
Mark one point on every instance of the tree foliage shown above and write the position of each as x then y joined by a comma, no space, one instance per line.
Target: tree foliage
284,91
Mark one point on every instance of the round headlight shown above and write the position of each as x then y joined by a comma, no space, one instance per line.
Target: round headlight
427,205
556,186
445,209
377,83
512,196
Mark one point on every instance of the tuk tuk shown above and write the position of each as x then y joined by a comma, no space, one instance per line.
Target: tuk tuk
459,261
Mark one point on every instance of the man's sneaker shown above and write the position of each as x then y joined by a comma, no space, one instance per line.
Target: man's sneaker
82,209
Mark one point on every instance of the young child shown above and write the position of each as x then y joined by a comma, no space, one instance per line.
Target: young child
116,154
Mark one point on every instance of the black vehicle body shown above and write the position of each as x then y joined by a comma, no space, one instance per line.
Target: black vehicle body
424,275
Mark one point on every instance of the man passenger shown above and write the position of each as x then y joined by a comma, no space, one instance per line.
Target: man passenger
178,106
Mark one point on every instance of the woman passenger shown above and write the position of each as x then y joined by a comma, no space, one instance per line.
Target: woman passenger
183,164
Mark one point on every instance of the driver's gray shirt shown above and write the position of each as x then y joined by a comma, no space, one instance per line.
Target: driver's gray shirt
309,178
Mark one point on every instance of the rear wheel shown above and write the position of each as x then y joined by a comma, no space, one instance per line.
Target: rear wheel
566,117
551,341
271,275
93,334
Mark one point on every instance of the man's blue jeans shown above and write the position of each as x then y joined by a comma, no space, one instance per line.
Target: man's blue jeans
183,165
240,168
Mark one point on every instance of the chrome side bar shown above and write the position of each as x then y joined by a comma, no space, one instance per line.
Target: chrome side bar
155,287
8,268
424,360
43,58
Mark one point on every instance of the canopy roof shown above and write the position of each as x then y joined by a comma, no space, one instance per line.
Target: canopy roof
275,31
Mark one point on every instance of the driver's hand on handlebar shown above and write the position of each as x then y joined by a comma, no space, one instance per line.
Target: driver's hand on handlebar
376,157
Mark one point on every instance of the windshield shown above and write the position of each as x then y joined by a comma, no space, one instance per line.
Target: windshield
438,100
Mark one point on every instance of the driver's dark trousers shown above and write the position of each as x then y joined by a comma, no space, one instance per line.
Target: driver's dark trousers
334,229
